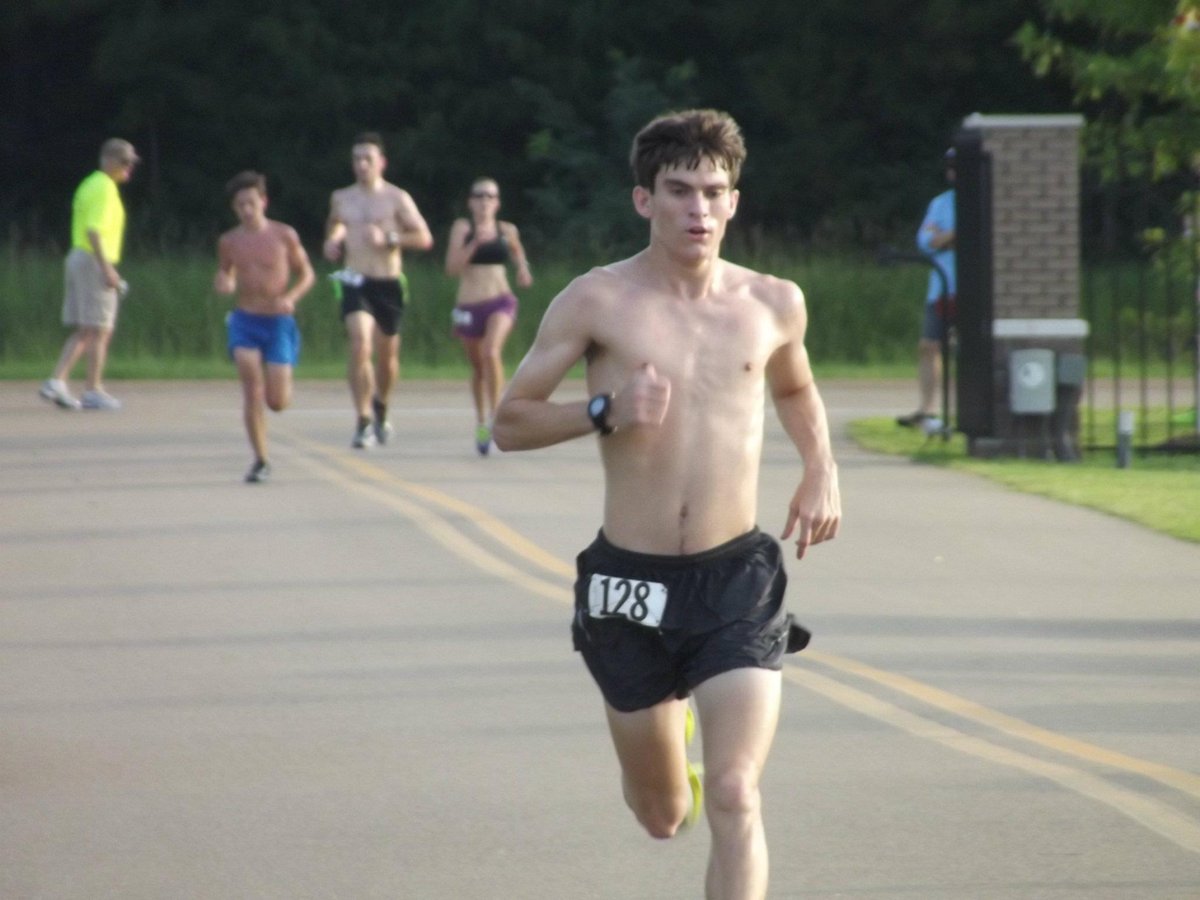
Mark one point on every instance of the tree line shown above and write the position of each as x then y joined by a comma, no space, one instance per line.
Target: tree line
846,107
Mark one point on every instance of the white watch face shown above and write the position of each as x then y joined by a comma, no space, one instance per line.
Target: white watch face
596,407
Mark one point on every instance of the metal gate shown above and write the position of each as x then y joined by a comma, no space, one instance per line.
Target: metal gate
1140,240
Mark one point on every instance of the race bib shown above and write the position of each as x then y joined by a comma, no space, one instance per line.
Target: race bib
348,276
461,317
641,602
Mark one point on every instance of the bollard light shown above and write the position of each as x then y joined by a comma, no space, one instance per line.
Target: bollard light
1124,439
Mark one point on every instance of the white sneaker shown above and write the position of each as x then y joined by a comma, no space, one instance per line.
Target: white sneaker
100,400
55,390
259,472
383,432
363,437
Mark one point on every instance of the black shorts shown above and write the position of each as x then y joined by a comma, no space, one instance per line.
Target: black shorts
723,610
383,298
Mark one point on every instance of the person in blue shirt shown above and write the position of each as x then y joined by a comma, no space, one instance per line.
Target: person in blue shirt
935,238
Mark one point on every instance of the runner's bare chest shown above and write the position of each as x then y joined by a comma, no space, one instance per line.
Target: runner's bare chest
365,209
720,342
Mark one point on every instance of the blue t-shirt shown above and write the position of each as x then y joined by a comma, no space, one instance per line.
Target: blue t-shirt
940,214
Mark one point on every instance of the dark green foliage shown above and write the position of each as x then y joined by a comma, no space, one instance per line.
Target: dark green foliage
846,107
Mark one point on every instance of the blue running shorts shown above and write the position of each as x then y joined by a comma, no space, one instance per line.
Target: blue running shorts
276,337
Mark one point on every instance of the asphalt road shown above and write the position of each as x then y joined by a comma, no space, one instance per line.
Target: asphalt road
356,681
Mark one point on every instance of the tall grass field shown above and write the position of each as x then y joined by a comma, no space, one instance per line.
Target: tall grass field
863,318
172,323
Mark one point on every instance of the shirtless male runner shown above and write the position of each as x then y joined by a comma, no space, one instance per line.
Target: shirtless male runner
370,223
264,263
680,593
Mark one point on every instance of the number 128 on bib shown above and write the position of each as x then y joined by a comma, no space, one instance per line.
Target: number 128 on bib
641,602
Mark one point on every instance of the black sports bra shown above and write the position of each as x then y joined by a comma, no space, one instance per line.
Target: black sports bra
490,253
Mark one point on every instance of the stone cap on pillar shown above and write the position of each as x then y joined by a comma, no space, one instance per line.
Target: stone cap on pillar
1056,120
1017,329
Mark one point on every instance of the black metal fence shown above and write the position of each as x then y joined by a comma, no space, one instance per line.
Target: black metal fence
1140,243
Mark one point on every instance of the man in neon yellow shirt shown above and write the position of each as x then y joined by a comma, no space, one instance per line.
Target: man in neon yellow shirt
93,285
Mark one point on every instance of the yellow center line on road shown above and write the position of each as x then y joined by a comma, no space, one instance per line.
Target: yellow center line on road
1158,817
431,523
381,486
968,709
486,522
500,532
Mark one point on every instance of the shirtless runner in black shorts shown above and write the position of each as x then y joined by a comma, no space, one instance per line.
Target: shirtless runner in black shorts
681,347
370,223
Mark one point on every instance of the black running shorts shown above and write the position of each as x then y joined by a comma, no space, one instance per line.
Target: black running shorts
383,298
651,627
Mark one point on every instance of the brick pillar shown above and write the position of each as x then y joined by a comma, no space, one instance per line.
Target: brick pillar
1036,272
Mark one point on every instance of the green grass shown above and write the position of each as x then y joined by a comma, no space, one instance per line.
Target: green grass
1158,490
863,318
156,368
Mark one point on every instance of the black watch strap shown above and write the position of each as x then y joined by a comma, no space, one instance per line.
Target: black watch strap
598,409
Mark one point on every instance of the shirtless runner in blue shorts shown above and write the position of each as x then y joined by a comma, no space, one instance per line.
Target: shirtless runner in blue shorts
681,348
264,263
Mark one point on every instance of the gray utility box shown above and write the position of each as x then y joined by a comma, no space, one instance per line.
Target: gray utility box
1031,382
1037,404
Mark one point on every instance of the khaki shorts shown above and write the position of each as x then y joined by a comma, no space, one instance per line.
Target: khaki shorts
87,301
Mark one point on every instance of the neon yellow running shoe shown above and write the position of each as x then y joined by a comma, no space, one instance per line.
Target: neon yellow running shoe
695,776
483,439
695,772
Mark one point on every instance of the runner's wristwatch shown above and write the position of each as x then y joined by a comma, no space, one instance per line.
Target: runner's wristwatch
597,409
